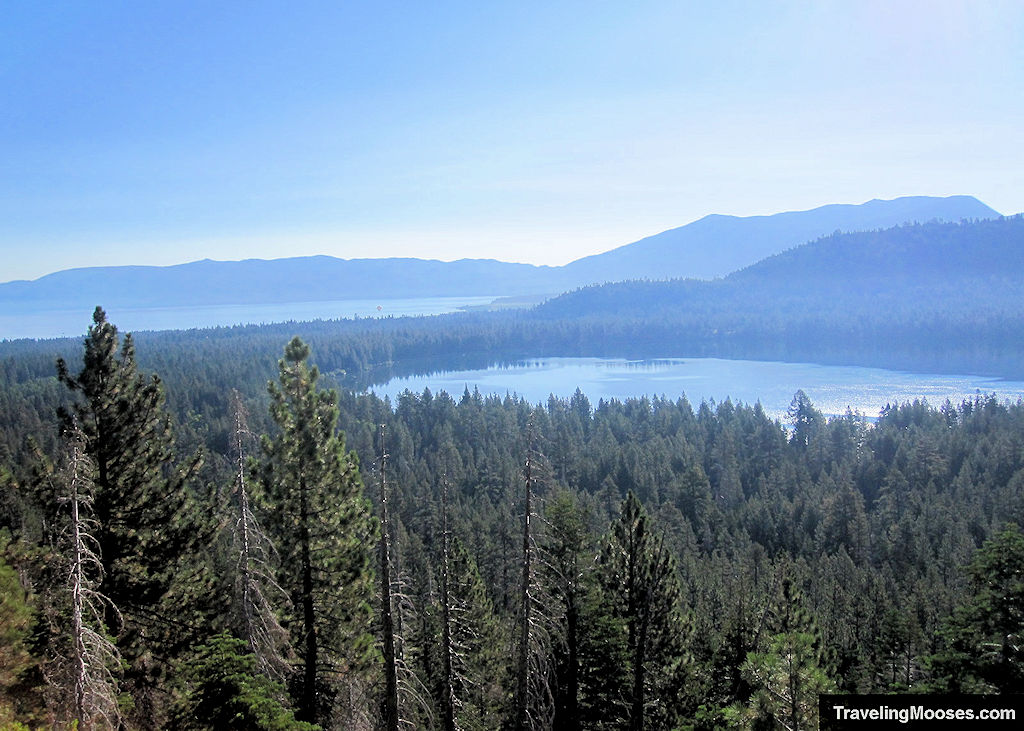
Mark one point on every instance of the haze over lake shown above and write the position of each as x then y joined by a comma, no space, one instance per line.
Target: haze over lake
72,323
832,389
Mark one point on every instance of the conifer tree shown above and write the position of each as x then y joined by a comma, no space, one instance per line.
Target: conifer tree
146,524
226,690
604,660
19,698
565,573
807,421
638,573
322,528
788,675
984,639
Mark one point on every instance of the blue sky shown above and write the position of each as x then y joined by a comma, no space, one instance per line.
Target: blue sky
164,132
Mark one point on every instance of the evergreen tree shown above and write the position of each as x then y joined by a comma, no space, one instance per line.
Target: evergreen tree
322,528
147,528
984,638
471,648
604,660
225,690
807,421
564,573
788,676
19,698
639,574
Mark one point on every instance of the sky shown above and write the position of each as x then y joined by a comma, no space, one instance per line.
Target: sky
165,132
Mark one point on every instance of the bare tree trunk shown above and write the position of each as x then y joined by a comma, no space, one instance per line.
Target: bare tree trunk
523,658
387,618
92,654
266,638
77,580
245,557
309,692
447,679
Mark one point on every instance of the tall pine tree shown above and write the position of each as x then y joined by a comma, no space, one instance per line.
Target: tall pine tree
639,574
789,675
323,528
147,528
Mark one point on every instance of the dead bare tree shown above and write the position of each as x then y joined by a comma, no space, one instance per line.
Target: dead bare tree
405,698
254,558
387,619
533,700
449,701
92,660
470,691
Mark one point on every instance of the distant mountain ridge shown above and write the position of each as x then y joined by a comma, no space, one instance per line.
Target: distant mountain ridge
296,279
921,266
924,254
931,298
717,245
711,247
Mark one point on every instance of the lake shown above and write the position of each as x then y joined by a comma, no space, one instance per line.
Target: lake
73,323
832,389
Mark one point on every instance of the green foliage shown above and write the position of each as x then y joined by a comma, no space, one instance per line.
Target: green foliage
224,691
604,661
16,659
787,682
787,676
477,644
16,621
148,527
984,638
639,576
145,515
11,508
807,421
874,523
322,527
565,571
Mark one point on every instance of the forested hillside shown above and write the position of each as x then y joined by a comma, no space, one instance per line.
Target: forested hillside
940,298
238,557
937,296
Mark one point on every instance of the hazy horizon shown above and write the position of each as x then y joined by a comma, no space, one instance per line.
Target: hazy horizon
164,133
425,255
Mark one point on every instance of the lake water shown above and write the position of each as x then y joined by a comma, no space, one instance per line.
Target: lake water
73,323
832,389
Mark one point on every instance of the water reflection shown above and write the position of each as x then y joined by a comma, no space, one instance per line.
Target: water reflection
832,389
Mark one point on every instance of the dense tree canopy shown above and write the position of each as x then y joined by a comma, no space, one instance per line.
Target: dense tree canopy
696,564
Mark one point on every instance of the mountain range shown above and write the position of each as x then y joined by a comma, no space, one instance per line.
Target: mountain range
711,247
971,266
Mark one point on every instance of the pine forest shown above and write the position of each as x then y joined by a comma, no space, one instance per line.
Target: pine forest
208,532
